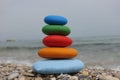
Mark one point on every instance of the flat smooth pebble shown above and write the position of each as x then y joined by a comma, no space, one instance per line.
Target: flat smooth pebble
56,30
57,52
58,66
55,20
57,41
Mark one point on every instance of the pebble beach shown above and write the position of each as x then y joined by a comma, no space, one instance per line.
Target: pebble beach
9,71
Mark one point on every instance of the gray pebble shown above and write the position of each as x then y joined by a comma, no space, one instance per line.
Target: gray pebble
13,75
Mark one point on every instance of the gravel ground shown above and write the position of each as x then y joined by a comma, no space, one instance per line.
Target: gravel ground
23,72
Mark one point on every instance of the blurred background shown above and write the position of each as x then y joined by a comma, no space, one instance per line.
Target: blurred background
94,24
23,19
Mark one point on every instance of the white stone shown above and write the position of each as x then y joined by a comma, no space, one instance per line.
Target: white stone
73,78
12,76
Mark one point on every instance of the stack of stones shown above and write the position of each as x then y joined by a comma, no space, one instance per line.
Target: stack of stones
59,56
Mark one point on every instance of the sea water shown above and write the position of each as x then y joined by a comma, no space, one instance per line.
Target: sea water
93,51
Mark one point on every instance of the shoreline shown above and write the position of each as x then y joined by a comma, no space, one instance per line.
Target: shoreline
11,71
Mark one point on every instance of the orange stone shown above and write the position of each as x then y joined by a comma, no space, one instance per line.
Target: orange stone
57,52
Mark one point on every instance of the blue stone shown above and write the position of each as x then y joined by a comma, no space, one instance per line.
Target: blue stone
58,66
55,20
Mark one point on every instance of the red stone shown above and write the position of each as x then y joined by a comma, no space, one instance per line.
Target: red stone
57,41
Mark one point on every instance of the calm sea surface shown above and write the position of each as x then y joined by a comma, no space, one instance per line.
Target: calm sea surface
98,51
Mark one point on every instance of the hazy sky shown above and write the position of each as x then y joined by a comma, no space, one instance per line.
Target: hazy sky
23,19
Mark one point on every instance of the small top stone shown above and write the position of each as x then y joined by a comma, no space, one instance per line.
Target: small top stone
55,20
